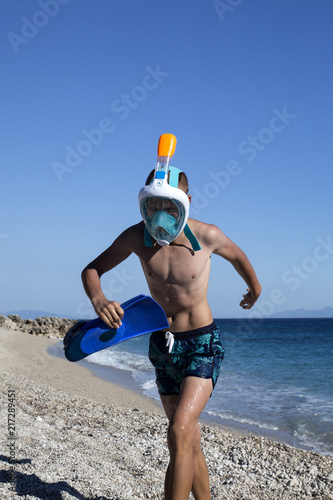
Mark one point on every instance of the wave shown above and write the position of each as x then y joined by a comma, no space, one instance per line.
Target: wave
122,360
242,420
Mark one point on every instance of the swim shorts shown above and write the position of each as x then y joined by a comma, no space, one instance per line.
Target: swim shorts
196,353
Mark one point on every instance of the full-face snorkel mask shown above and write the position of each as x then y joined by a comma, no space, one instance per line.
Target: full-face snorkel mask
164,207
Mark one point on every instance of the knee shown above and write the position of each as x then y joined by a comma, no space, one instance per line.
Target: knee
180,436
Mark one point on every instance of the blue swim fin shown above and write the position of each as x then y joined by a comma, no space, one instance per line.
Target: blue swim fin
141,315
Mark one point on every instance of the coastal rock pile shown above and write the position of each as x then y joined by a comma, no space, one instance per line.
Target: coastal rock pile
47,325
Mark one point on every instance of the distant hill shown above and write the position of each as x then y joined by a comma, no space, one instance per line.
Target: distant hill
31,314
326,312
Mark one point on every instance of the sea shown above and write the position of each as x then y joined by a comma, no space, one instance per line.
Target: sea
276,379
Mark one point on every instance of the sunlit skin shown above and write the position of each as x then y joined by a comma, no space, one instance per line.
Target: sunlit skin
178,280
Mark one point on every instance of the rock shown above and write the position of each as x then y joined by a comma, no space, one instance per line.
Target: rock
47,326
313,470
6,322
294,482
37,330
15,317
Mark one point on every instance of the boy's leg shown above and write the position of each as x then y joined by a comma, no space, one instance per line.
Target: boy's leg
187,468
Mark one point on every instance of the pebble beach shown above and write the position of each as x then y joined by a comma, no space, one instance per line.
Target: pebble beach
67,434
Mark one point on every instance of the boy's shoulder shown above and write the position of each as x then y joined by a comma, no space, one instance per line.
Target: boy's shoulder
207,233
134,232
133,237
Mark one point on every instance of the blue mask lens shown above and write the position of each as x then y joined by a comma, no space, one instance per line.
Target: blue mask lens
162,220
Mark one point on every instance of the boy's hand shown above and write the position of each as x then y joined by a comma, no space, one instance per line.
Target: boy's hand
109,311
249,300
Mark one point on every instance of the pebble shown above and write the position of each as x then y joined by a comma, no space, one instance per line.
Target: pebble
313,469
70,447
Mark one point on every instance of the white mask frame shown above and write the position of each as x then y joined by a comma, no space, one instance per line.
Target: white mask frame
160,188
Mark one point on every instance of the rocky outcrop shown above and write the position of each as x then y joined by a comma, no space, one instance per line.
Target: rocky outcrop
47,325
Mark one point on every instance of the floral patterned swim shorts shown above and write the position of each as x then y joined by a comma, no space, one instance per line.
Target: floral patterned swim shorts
196,353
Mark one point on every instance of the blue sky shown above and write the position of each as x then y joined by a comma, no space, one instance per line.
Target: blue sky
88,88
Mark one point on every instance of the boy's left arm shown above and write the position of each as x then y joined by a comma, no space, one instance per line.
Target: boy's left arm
227,249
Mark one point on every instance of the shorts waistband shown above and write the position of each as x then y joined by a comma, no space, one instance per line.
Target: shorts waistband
189,334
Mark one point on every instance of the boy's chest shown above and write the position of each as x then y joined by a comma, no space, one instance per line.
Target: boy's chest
175,265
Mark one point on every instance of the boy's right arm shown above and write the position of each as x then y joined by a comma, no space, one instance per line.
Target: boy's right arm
109,311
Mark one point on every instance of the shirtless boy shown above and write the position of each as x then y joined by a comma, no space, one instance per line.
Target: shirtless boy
188,359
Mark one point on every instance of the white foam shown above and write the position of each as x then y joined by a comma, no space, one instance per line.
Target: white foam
120,360
246,421
149,384
149,389
315,443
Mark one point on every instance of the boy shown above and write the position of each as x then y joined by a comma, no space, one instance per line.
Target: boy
175,255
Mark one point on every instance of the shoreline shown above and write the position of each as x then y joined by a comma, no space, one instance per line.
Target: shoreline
79,436
125,379
110,374
40,366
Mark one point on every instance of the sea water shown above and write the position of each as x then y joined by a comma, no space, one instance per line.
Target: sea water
276,378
